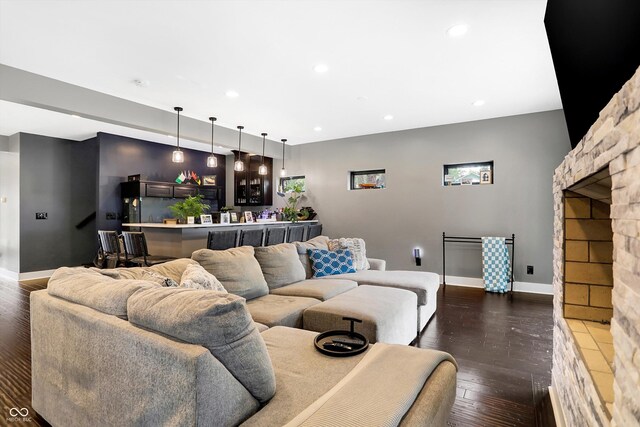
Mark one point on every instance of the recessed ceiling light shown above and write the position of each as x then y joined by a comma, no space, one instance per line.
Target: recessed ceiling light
388,117
75,116
232,94
458,30
478,103
321,68
317,128
362,98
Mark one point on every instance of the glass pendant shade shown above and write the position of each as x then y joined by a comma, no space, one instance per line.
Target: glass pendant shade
212,161
238,166
262,170
283,172
177,157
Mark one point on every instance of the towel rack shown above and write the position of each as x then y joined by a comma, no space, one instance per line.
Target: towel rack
457,239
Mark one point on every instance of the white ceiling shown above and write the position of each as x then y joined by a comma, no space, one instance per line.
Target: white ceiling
390,57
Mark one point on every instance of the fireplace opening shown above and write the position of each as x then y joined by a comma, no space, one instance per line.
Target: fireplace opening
588,279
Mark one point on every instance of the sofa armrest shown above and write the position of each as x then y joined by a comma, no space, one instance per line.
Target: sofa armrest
377,264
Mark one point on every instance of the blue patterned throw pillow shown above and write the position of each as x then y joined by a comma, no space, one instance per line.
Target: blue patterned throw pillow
328,263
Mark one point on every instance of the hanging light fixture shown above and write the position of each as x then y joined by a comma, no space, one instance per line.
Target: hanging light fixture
262,170
212,160
238,166
178,155
283,171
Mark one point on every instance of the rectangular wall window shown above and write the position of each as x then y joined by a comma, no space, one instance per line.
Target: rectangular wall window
289,183
468,174
367,180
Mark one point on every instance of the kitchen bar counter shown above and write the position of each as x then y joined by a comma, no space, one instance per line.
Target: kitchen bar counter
180,240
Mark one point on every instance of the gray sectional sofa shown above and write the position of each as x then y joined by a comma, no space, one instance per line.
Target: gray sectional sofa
119,347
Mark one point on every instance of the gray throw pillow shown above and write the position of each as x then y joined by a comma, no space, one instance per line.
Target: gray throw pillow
236,268
280,264
172,269
319,242
137,273
219,322
197,277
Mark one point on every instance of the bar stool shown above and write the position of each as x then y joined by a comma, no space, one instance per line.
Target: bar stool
251,237
275,235
314,230
296,232
221,240
136,252
111,248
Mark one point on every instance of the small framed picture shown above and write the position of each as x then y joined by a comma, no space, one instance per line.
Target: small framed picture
234,217
248,216
206,219
191,220
485,177
225,218
208,179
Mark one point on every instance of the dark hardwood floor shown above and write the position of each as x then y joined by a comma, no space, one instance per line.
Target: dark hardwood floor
503,348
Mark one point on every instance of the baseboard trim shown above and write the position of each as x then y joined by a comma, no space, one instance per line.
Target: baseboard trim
475,282
36,274
557,409
8,274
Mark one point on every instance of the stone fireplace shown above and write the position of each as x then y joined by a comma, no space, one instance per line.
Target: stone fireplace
597,269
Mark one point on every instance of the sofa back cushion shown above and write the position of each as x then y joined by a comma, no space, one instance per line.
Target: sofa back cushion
172,269
196,277
319,242
92,289
136,273
236,268
280,264
218,321
357,248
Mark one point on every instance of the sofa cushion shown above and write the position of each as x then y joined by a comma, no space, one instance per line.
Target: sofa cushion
137,273
278,310
92,289
357,248
280,264
303,375
318,289
319,242
329,263
220,322
196,277
236,268
172,269
419,282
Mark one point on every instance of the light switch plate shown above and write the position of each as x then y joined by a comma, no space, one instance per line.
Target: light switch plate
41,215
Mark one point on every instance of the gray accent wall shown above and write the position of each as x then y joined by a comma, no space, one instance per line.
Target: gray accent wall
416,208
57,176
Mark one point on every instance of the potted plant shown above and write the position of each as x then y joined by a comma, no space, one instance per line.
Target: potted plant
192,206
292,197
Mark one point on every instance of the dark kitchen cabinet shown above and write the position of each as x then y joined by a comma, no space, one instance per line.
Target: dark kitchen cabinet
250,188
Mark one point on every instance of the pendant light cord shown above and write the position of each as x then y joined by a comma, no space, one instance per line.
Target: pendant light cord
213,119
240,140
178,135
264,135
283,144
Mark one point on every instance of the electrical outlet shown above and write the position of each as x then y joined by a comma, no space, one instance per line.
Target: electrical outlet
41,215
529,269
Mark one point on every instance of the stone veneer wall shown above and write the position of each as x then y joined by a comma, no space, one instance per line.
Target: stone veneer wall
588,259
613,140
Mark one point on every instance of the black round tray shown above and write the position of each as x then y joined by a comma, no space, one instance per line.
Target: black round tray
331,335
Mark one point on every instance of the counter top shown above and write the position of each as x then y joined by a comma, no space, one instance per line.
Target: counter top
236,224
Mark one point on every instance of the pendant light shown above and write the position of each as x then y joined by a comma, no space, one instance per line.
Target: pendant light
212,160
238,166
283,171
178,155
262,170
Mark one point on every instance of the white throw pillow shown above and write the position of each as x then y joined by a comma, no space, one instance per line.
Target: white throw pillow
357,248
196,277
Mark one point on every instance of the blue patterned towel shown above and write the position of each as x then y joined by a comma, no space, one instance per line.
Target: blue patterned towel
496,268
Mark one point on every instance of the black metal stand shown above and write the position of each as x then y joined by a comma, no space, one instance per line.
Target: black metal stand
456,239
